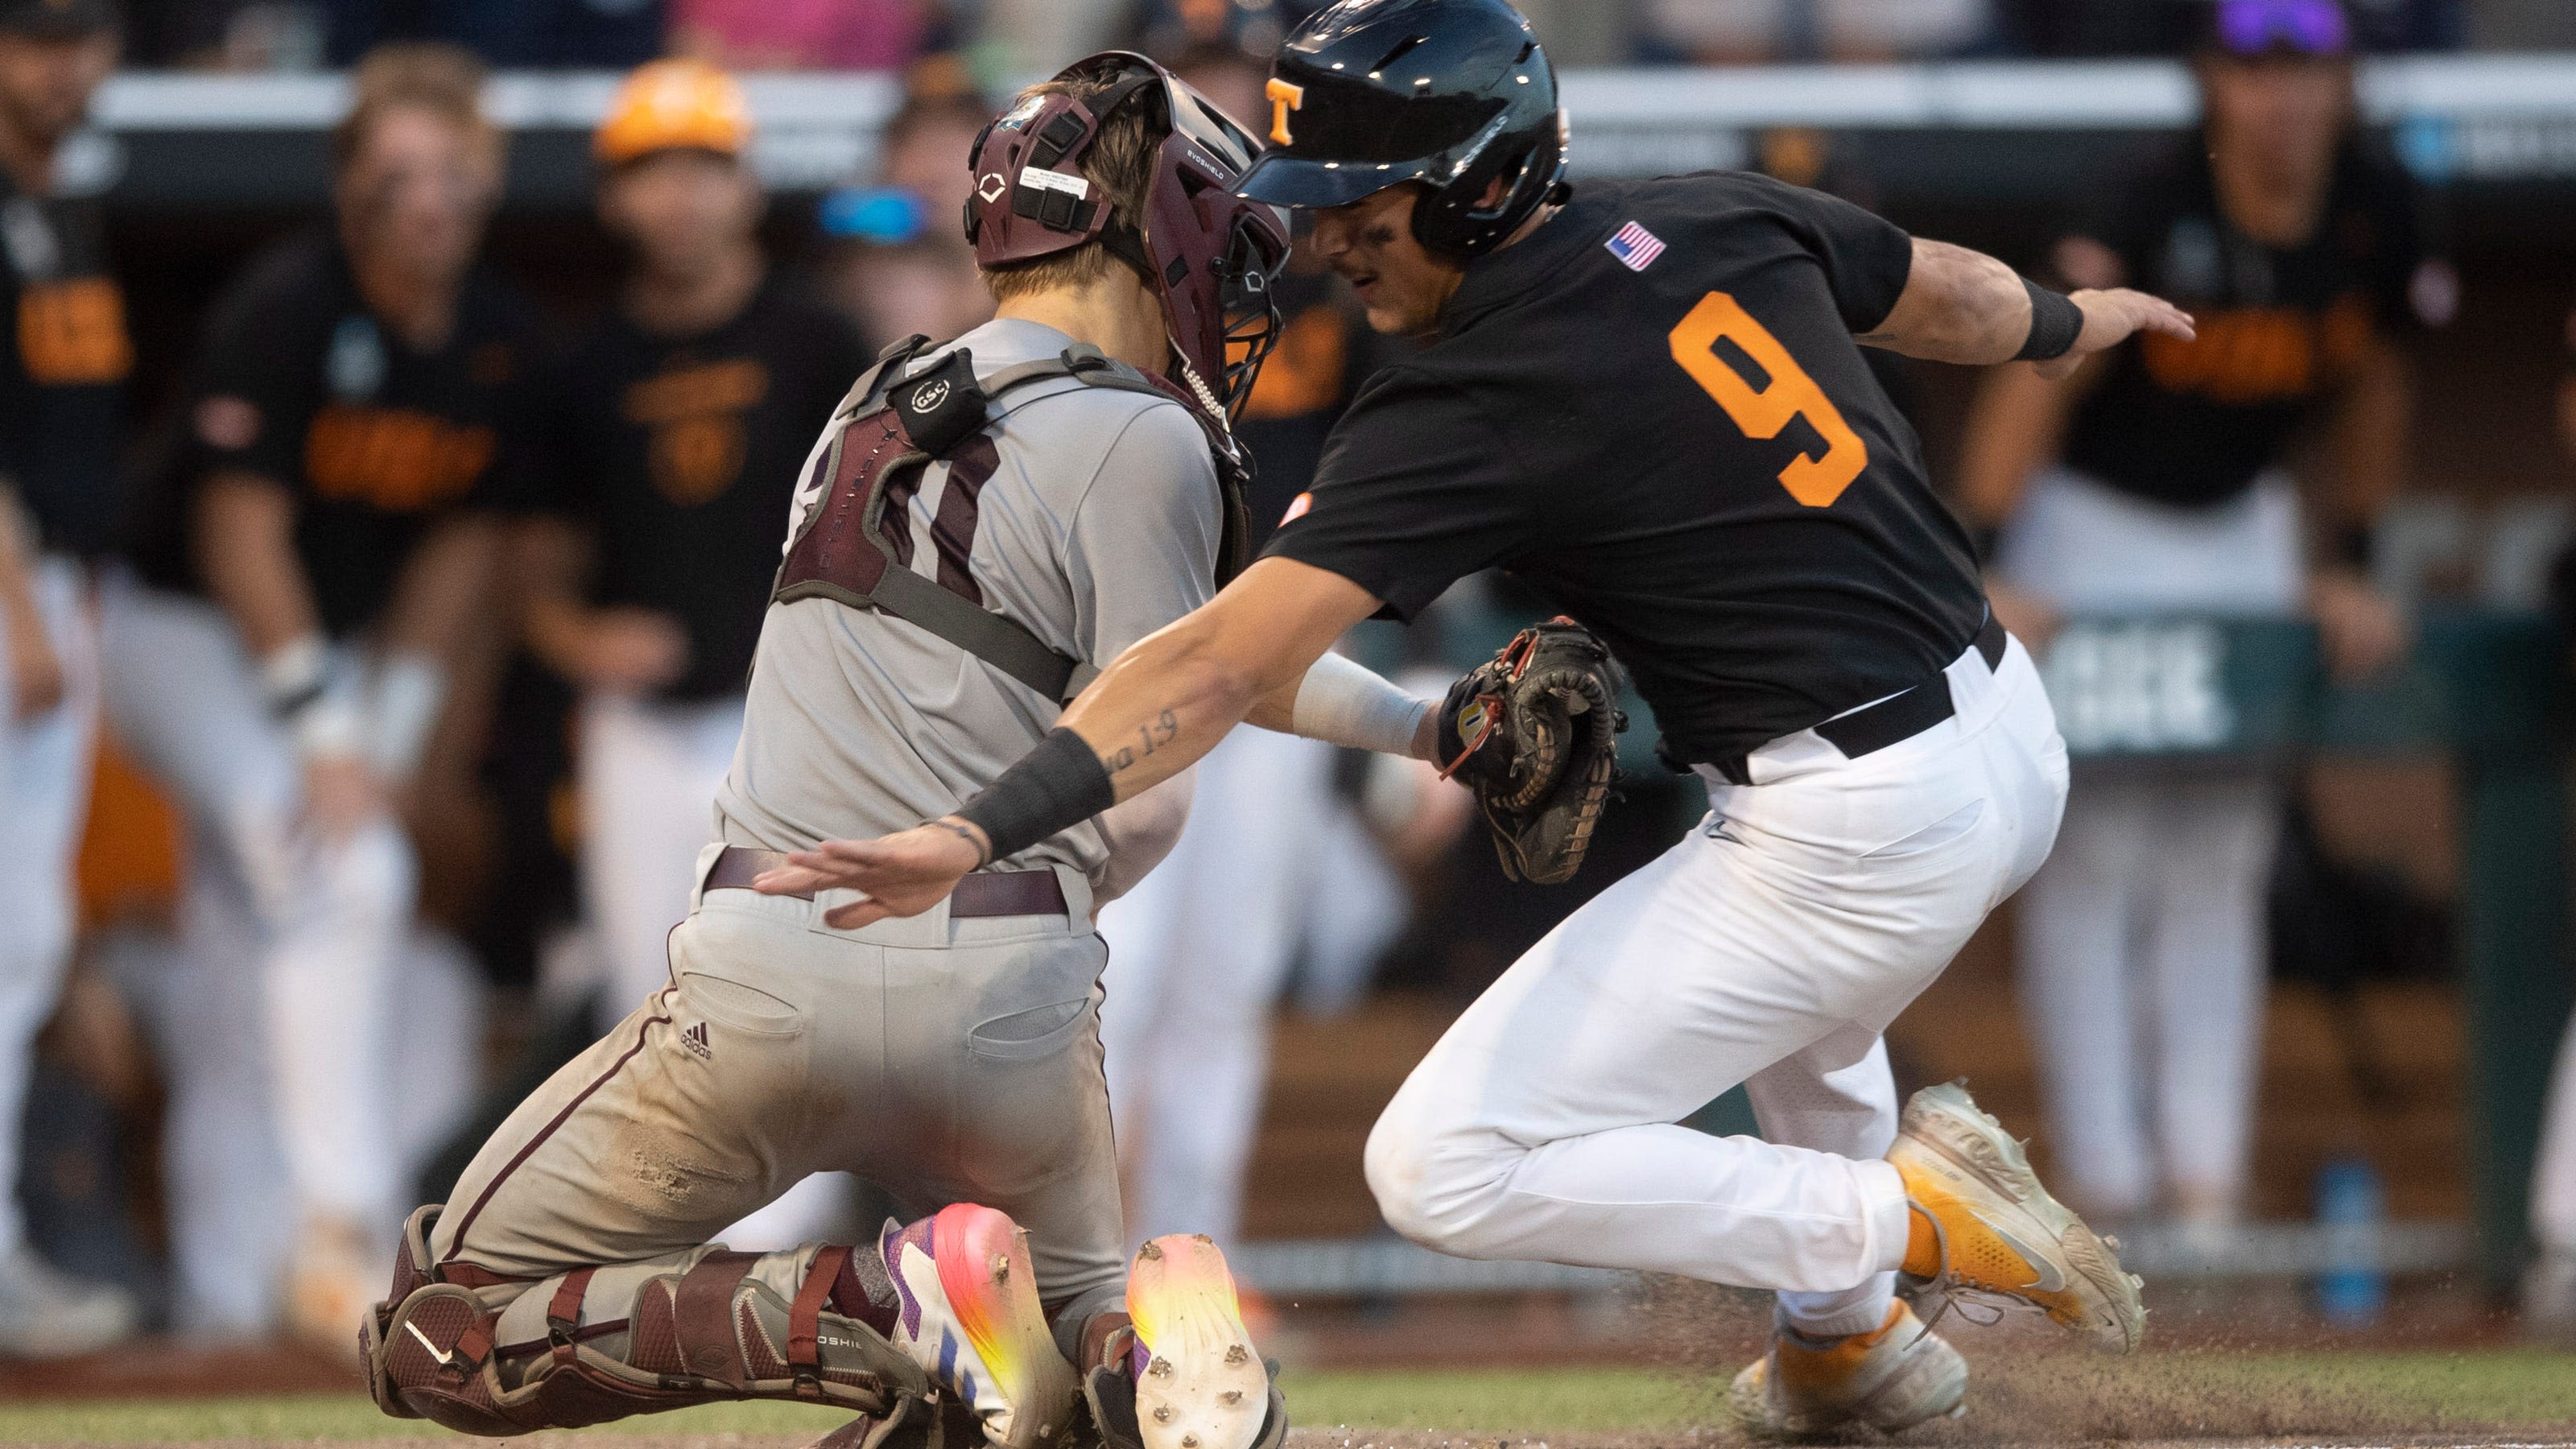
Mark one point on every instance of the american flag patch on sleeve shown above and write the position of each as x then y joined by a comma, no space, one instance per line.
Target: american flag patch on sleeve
1635,247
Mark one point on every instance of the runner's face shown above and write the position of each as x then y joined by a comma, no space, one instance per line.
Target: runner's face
417,192
1371,243
683,210
45,84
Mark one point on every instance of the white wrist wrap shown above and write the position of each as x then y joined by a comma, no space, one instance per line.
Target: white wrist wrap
402,709
1343,703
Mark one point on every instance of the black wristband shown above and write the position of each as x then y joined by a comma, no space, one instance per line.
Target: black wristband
1056,786
2055,323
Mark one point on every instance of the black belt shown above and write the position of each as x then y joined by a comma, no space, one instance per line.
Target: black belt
985,893
1891,721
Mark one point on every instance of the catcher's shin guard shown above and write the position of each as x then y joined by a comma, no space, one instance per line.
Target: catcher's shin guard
601,1343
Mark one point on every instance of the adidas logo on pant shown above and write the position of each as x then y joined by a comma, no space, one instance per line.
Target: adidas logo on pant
695,1039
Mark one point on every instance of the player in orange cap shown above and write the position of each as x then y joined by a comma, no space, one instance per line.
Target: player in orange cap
677,430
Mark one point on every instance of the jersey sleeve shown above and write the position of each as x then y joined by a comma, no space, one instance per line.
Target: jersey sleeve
1141,551
257,383
1867,258
545,464
1416,490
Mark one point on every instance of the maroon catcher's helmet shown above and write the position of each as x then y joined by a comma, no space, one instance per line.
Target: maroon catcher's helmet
1207,253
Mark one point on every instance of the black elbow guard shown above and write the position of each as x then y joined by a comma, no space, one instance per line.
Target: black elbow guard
2055,323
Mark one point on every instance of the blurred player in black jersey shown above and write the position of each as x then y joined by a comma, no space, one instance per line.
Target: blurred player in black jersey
2159,479
676,431
313,558
1648,400
64,356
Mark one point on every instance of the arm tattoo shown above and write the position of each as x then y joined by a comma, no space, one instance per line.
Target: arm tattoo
1149,738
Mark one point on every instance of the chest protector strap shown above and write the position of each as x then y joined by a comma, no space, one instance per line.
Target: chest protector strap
888,433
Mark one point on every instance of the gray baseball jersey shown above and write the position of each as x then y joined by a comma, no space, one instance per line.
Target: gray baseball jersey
1097,525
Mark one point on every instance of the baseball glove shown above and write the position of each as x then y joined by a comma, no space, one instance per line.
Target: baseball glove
1534,733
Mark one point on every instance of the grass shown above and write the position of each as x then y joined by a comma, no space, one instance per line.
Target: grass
2499,1388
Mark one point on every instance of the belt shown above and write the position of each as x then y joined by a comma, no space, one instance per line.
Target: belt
985,893
1893,720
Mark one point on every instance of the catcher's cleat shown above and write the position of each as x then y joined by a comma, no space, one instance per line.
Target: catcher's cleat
1995,1233
1890,1380
970,1317
1199,1382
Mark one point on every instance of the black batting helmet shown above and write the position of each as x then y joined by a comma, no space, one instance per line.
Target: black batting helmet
1453,94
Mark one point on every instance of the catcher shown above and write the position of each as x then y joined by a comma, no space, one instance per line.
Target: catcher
979,521
1649,400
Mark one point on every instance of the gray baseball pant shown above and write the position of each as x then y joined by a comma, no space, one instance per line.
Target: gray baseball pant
944,1060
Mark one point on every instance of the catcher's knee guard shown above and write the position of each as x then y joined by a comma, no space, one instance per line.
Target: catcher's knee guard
509,1356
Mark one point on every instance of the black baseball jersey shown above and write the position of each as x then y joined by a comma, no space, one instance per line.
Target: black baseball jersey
1324,350
296,381
2193,423
1653,410
680,456
64,356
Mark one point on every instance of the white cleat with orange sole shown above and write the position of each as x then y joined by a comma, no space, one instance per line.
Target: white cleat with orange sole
1200,1383
970,1317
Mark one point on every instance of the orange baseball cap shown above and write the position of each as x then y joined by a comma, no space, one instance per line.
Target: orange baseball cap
674,105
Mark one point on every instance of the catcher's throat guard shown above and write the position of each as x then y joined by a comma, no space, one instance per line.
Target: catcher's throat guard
1533,732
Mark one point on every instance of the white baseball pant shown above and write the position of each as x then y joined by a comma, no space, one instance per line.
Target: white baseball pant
316,931
2143,942
1771,947
44,797
1198,952
2553,1176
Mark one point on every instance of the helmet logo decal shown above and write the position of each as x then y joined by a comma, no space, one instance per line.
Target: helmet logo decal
991,187
1284,97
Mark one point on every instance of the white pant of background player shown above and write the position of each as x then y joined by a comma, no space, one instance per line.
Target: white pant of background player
649,772
2143,943
1272,862
318,1045
44,795
1771,947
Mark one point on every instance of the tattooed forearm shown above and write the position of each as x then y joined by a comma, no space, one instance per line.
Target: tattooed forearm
1165,728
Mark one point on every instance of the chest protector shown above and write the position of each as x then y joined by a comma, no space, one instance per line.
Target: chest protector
891,428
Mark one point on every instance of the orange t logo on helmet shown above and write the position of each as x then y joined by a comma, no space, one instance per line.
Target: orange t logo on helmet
1284,98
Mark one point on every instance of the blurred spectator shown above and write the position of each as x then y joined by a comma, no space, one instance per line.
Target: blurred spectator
677,428
2156,480
2549,1284
313,565
64,359
924,152
898,263
1738,31
892,290
800,34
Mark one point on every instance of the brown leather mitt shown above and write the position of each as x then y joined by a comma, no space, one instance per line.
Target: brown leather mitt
1534,733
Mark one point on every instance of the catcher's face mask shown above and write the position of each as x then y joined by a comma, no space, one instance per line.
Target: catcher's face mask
1208,256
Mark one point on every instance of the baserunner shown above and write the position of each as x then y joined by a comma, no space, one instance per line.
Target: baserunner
1649,401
